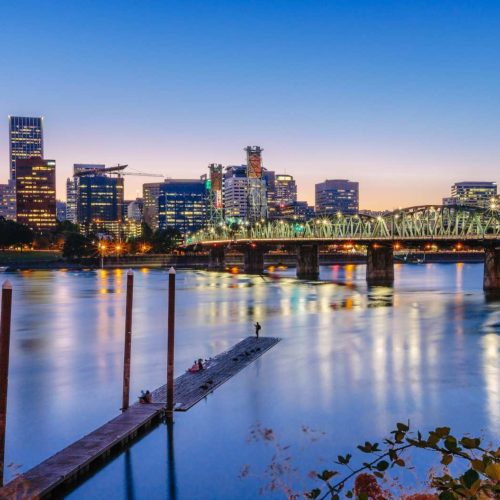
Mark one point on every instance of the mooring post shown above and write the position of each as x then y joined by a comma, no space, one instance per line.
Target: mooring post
4,366
170,346
128,340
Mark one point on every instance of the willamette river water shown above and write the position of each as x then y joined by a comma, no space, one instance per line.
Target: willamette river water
352,362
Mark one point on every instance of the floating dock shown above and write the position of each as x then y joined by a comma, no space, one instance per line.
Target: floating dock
75,461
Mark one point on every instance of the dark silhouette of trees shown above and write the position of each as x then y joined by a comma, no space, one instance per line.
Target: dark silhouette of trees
13,234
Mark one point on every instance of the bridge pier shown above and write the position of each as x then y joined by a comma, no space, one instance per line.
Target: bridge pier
217,258
491,278
380,265
254,260
308,262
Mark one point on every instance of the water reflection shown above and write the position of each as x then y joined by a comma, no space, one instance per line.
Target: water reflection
353,360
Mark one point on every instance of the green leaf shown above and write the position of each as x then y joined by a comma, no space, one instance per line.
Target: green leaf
470,443
447,495
402,427
379,474
382,465
447,459
314,493
327,474
469,478
433,439
450,443
478,465
442,431
400,462
349,494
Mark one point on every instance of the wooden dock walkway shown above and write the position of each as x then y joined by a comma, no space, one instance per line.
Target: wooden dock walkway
75,461
193,387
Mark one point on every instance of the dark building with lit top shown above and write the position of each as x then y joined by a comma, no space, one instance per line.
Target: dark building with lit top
25,139
182,204
100,202
337,196
36,193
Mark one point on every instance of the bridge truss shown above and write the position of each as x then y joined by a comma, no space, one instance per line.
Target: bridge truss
420,223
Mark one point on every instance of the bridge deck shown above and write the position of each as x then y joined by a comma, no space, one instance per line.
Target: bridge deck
92,450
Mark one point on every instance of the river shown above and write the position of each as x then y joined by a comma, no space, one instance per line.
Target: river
353,361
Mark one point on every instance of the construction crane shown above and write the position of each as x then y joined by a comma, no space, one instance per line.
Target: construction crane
115,170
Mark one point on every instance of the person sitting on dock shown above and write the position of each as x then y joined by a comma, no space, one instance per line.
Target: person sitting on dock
257,329
145,397
200,364
195,368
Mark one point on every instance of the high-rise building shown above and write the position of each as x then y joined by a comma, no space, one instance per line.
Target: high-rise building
100,202
8,200
182,204
286,190
135,210
473,194
214,185
337,196
25,139
72,189
61,210
269,176
235,194
150,195
257,187
36,193
72,200
298,211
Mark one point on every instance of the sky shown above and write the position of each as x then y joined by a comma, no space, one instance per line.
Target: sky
403,97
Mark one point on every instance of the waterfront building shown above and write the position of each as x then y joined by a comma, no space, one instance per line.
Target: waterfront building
60,210
72,200
475,194
297,211
182,204
36,193
256,185
214,184
286,190
135,210
150,195
100,202
235,194
269,177
25,139
337,196
8,200
72,188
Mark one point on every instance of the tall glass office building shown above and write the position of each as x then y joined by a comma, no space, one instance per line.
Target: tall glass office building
36,193
182,204
337,196
100,203
25,139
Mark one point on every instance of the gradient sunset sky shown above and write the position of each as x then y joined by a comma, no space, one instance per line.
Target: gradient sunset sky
402,96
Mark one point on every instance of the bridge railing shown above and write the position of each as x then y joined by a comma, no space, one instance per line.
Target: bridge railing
407,224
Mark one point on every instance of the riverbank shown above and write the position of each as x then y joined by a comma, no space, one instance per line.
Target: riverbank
33,260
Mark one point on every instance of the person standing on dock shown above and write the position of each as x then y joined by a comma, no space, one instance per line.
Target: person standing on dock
257,329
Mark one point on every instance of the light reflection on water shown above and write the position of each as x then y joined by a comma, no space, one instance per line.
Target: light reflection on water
352,361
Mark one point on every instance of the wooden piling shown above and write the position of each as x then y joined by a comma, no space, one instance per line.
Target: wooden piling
170,346
5,321
128,340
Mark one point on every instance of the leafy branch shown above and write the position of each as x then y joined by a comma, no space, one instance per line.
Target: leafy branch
480,480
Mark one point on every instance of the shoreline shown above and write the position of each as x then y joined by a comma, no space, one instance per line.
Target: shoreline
233,260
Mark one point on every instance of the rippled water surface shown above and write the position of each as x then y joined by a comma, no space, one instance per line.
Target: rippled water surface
352,362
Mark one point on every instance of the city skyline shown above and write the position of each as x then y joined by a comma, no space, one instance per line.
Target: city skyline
402,99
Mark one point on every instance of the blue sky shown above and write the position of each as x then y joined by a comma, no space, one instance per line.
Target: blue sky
402,96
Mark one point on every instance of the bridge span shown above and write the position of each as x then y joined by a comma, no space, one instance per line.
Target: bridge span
413,227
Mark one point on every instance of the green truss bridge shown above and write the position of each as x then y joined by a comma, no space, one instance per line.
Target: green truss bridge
410,227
